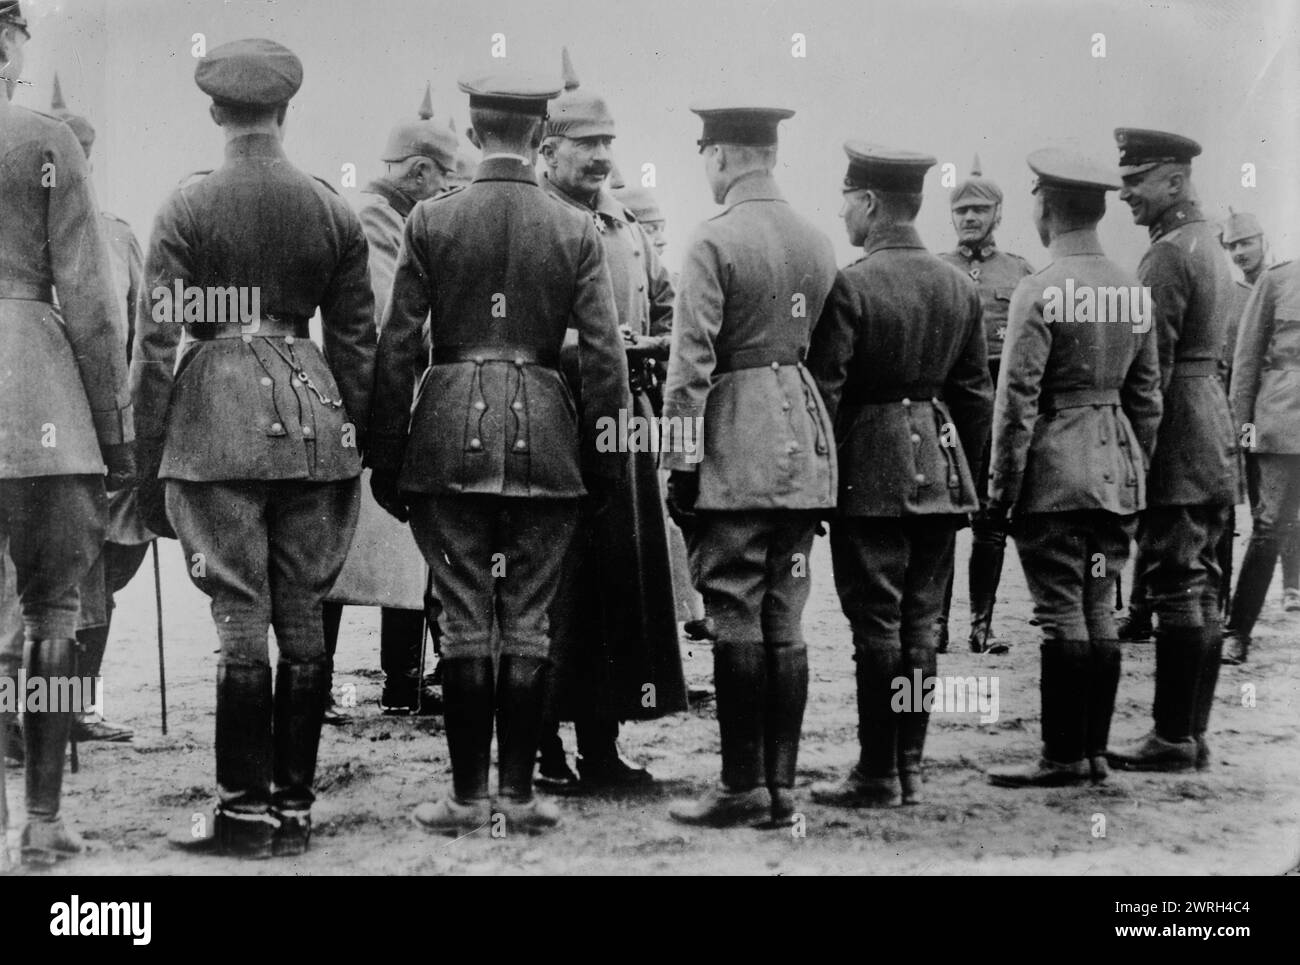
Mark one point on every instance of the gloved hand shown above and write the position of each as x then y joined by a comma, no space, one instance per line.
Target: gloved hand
683,491
150,491
120,460
999,512
383,486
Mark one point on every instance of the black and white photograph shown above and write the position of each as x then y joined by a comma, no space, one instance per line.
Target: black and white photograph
657,438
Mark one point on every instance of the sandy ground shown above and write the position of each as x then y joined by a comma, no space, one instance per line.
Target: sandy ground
1238,817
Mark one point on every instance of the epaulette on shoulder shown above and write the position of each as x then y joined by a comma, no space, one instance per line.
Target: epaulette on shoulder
450,192
50,117
112,217
327,184
1280,264
194,177
1024,261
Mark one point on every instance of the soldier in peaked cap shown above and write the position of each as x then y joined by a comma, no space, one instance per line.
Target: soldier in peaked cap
901,356
66,426
384,566
976,213
1192,484
749,493
1074,426
605,655
489,462
256,433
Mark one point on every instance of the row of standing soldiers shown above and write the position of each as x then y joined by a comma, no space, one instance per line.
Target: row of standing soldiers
853,396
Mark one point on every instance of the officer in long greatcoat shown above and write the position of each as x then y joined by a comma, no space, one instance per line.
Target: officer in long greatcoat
1078,404
976,213
616,655
902,359
1194,479
65,418
127,539
748,495
489,461
256,432
384,566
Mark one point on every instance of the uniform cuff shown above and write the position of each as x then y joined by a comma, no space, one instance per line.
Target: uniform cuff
114,426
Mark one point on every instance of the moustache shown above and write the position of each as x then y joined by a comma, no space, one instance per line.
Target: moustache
597,171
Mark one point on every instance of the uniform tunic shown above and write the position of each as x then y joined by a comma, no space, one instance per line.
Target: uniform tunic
63,386
753,283
1194,479
902,359
490,454
259,433
1078,406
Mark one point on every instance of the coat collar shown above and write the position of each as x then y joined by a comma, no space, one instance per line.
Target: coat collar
1081,242
983,253
753,186
397,199
254,145
504,169
606,205
894,236
1175,216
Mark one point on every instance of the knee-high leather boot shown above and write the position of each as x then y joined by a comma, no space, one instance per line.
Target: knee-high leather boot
301,693
1170,745
740,679
787,695
874,781
1064,688
1206,681
45,839
520,700
1103,683
986,560
918,656
468,711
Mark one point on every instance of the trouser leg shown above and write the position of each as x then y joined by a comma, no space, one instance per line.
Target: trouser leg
1274,523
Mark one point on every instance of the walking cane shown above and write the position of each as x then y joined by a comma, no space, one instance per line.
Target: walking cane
162,664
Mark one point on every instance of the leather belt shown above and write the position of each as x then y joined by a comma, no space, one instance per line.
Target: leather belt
1195,368
478,354
268,326
27,291
914,391
1077,399
758,358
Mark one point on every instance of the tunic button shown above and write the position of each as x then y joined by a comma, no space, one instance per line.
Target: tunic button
636,253
640,288
306,432
920,478
519,361
776,366
517,406
288,340
276,427
520,444
785,406
916,439
907,403
247,339
476,444
478,360
480,405
266,380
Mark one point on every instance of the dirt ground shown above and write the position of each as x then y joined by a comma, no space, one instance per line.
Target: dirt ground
1239,817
